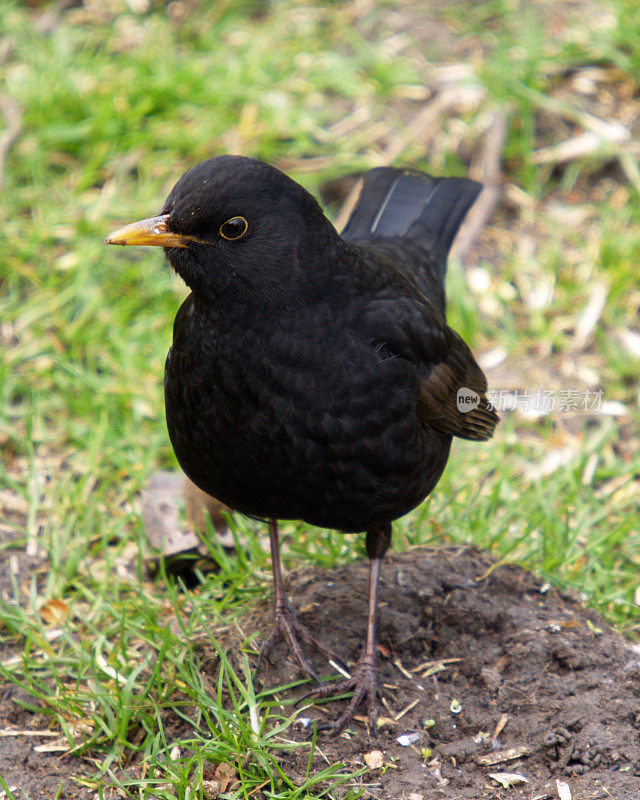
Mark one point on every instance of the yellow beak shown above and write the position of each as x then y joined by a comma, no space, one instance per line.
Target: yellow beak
152,232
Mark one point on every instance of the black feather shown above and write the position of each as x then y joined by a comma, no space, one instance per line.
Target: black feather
413,205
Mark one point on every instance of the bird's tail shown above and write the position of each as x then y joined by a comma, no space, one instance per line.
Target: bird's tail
414,205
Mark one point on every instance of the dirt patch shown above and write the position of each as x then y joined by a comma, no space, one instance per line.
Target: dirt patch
472,647
25,765
24,731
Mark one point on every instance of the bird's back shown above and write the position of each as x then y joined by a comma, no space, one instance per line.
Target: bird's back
411,219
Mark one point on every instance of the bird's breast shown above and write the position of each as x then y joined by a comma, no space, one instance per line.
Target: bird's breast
290,424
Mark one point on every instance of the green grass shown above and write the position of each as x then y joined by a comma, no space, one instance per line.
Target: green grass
114,110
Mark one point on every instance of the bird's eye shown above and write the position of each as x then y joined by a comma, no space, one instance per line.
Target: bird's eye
234,228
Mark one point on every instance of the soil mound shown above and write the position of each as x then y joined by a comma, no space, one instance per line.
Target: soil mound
495,671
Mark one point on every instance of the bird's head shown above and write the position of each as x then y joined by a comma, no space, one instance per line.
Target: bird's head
236,223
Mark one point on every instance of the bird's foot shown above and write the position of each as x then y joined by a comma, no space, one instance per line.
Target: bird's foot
287,626
363,684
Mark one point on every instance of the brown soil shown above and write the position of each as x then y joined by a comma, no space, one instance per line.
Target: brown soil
23,768
566,685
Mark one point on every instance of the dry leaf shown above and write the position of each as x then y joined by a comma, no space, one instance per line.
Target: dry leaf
226,777
507,779
54,612
554,460
630,340
589,316
491,359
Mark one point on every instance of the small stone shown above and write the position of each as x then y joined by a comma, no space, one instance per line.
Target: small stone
491,678
374,759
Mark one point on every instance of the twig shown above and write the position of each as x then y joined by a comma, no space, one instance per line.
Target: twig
257,789
339,669
501,725
398,664
348,205
423,127
61,746
13,115
500,757
385,703
406,710
434,663
488,171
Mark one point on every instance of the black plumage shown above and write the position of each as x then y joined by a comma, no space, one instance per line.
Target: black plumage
313,376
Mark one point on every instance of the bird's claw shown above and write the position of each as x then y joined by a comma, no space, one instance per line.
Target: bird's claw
363,684
287,626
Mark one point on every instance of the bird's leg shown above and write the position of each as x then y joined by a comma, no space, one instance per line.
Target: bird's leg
363,681
286,624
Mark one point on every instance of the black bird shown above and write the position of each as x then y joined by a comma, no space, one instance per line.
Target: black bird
313,376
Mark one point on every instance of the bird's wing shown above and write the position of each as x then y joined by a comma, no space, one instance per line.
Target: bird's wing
452,395
451,387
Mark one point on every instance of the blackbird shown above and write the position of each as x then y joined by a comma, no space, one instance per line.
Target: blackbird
312,375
